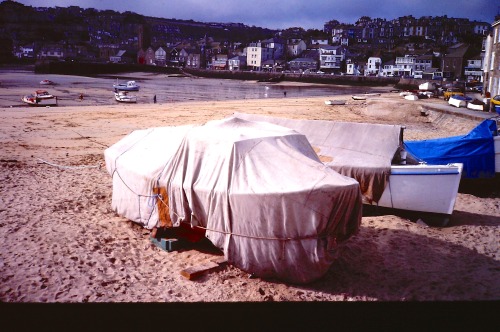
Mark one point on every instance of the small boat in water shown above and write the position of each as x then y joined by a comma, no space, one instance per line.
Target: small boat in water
40,98
129,86
124,97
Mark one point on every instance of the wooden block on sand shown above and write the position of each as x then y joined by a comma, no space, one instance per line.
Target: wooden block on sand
194,272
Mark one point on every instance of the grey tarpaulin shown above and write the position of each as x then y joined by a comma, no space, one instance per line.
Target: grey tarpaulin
362,151
259,191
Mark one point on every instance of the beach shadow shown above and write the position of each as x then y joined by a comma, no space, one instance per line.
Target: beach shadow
462,218
484,188
398,265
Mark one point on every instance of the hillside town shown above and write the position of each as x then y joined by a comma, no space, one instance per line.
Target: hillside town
440,48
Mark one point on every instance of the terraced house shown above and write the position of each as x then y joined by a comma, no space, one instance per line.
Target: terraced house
492,60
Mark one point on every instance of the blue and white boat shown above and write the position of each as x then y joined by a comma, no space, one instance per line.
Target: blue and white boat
129,86
374,155
478,151
459,101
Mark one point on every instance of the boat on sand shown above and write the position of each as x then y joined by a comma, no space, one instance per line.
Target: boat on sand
128,86
334,102
459,101
125,97
376,158
256,190
40,98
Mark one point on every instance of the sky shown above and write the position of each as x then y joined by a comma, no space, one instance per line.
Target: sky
282,14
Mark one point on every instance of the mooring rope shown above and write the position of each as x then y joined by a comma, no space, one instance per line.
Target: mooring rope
69,167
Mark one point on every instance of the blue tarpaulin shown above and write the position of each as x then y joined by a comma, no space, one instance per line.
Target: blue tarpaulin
475,150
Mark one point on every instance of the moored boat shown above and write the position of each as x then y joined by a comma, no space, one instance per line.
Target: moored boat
128,86
40,98
124,97
46,82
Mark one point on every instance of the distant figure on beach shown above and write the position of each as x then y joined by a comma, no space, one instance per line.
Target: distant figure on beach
81,96
284,93
154,99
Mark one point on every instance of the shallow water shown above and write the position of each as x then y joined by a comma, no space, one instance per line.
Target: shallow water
167,88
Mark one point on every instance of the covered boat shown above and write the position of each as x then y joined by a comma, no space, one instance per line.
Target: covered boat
257,189
374,155
475,150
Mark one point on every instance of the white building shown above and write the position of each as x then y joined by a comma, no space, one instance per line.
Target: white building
257,54
492,61
474,69
373,66
331,57
388,69
404,66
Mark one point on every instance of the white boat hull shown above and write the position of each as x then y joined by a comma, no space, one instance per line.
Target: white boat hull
423,188
32,101
411,97
457,102
475,107
124,98
334,102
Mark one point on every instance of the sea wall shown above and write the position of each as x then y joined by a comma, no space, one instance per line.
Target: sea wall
306,78
81,68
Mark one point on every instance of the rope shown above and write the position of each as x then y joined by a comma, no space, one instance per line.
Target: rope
88,138
68,167
242,235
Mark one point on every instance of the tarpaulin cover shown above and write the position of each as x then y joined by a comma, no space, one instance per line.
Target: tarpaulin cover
475,150
259,191
362,151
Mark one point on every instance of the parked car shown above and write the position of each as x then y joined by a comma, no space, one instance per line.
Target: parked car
452,92
495,103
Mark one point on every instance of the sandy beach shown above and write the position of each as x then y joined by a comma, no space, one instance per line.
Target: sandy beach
61,241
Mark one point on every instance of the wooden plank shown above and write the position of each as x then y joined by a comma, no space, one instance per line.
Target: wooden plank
194,272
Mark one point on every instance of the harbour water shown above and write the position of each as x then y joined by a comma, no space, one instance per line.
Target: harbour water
166,88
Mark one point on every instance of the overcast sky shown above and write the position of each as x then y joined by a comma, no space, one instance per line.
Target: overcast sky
282,14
